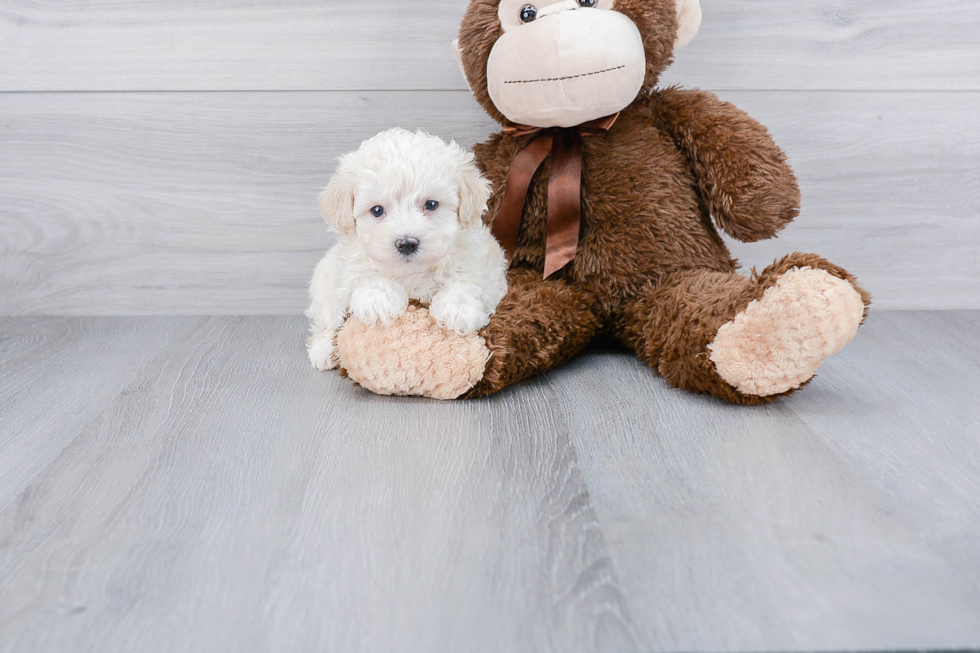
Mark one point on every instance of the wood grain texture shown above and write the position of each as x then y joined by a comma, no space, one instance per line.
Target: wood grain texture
229,498
57,378
182,45
846,518
199,204
182,203
211,493
891,190
833,44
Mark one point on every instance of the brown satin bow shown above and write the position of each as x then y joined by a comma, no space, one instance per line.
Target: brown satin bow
564,189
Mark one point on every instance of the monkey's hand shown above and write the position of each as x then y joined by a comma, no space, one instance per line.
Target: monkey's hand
742,174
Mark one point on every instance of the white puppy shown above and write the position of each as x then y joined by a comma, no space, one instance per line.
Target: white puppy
408,209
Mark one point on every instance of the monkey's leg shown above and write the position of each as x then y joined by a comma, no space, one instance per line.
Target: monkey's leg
747,341
539,325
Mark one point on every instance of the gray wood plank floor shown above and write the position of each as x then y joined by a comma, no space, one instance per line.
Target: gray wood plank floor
188,484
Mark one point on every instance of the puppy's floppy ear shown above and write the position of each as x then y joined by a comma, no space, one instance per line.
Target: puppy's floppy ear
688,21
474,191
337,202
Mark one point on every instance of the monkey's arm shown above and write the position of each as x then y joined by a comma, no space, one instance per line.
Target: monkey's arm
743,176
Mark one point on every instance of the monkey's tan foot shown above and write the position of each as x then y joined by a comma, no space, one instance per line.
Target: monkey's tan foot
414,356
777,343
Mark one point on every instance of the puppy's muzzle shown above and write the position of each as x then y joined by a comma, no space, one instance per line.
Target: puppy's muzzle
407,246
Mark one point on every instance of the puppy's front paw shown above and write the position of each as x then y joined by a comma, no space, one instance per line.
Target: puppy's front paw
322,352
374,304
459,311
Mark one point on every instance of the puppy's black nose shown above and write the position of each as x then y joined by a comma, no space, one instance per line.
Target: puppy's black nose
407,246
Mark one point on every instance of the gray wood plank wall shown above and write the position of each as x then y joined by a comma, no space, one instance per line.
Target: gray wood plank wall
163,157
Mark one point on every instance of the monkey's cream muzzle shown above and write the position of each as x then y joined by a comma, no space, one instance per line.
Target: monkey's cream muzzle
567,67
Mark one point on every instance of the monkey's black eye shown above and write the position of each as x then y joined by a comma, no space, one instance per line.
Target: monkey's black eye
588,3
528,13
431,205
378,211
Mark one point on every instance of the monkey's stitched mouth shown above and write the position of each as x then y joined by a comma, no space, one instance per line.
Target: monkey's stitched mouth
561,79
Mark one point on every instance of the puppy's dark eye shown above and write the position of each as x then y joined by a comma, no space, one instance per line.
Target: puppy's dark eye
378,211
588,3
431,205
528,13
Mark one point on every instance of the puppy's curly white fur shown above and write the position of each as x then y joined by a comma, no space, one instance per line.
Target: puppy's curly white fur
408,208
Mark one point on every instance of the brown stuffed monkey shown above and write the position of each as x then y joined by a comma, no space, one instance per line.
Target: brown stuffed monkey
607,195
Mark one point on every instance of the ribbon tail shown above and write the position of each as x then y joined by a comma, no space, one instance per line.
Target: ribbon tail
506,226
564,202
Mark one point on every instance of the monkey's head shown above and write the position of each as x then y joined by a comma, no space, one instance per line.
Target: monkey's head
560,63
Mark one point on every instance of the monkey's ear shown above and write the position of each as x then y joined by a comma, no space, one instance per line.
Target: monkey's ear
688,21
337,202
474,192
458,51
